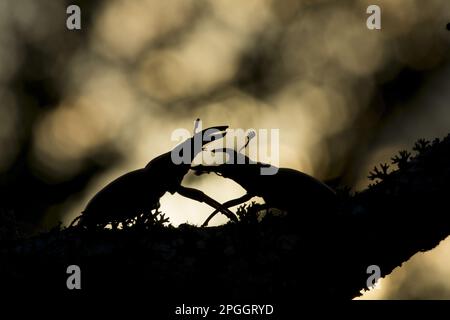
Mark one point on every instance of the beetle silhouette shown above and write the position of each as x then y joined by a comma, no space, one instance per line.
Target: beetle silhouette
139,191
287,189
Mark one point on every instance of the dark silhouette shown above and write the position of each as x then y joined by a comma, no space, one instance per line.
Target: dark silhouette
139,191
282,190
405,211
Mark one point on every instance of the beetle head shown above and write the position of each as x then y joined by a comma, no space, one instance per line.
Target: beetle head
185,152
237,167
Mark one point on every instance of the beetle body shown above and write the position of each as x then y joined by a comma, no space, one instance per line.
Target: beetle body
115,204
139,191
288,189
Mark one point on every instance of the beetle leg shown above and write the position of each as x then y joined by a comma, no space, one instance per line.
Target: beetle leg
229,204
77,219
202,197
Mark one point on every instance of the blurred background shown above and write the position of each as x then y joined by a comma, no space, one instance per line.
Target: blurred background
79,108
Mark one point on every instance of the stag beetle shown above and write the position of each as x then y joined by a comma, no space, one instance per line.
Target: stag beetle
287,189
139,191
